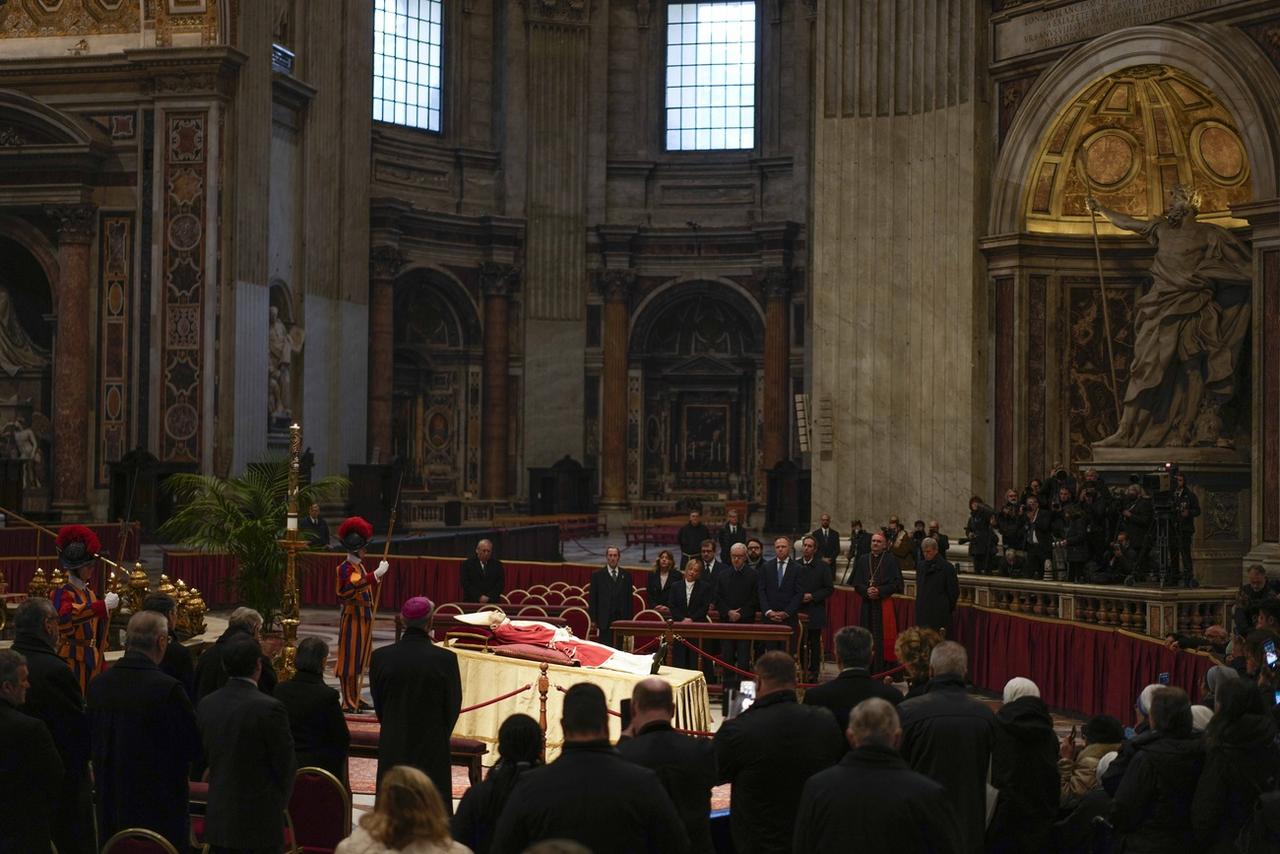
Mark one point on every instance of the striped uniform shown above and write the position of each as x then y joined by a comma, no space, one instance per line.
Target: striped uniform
82,631
356,591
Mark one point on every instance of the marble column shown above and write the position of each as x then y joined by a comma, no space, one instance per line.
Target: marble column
384,263
777,365
71,368
496,281
616,286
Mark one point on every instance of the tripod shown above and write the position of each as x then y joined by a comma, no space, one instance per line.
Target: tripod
1160,547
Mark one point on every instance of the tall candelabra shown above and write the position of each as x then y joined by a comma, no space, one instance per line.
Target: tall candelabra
292,544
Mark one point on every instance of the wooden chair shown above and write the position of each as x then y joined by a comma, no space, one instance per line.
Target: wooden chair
319,811
574,601
538,589
558,585
535,599
527,611
638,603
515,597
554,597
579,621
649,615
138,840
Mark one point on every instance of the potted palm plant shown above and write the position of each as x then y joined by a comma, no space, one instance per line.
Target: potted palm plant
243,516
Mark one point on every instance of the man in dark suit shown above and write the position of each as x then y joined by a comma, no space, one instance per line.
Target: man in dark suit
686,766
854,684
690,599
1037,537
1186,507
244,622
737,597
1136,517
690,536
177,662
948,736
320,734
144,738
590,794
30,768
54,697
315,528
250,754
874,797
816,588
768,752
711,568
780,593
482,579
730,532
827,540
937,588
417,694
609,598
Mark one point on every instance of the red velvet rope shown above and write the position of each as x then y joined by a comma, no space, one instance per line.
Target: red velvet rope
646,646
499,699
741,672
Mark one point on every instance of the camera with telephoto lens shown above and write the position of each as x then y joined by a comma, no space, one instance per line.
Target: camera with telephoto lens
1159,485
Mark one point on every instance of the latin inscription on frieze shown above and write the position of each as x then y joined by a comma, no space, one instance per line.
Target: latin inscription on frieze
1047,28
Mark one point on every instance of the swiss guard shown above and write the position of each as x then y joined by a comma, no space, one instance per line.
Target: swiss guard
357,591
83,616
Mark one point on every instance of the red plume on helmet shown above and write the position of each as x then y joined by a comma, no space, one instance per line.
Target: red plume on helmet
69,534
358,524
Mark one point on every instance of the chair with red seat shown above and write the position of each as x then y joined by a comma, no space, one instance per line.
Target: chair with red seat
578,620
138,840
319,811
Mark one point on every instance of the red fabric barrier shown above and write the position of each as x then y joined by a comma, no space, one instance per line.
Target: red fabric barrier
213,574
1083,668
18,549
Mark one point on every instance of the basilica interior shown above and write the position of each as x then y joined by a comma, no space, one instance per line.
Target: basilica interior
562,256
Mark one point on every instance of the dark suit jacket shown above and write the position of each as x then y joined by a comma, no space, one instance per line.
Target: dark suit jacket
318,531
874,797
320,735
144,741
851,687
417,694
593,796
686,767
695,608
780,598
1043,526
738,590
249,749
690,538
727,539
768,752
815,578
937,591
859,544
209,673
179,664
477,583
657,593
30,777
609,600
828,544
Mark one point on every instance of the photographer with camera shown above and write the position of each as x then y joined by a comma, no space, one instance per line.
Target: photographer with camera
1136,517
1186,507
980,534
1119,563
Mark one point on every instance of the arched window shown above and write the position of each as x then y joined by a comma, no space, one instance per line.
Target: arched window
407,49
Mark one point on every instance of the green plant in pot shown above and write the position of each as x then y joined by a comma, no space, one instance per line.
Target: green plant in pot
243,516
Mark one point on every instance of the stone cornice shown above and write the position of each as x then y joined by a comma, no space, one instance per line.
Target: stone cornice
184,71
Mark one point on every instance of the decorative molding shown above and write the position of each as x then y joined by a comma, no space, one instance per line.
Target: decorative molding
183,275
1267,36
115,274
11,138
498,280
616,285
776,283
559,12
1011,94
385,262
75,223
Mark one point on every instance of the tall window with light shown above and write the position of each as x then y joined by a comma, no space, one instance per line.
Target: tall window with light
406,62
711,76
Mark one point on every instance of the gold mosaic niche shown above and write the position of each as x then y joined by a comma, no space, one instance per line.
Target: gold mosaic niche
1136,134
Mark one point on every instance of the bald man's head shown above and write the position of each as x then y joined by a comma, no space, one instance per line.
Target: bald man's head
653,695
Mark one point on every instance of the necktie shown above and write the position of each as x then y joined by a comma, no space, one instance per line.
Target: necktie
782,570
613,574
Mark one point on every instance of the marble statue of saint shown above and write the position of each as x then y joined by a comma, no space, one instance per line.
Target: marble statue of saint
282,343
25,446
1188,327
17,351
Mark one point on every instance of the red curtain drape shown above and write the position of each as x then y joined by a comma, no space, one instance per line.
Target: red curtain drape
19,544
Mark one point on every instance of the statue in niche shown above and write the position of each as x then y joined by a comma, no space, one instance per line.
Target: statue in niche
283,342
1188,329
22,442
17,351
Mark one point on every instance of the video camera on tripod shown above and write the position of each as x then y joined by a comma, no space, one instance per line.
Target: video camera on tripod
1160,484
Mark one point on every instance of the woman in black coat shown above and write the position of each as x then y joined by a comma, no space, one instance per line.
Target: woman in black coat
980,529
519,749
1024,768
1241,760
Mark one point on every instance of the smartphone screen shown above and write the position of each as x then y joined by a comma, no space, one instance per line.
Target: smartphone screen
1163,678
1269,652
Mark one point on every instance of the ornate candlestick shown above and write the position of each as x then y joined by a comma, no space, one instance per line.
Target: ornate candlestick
292,544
